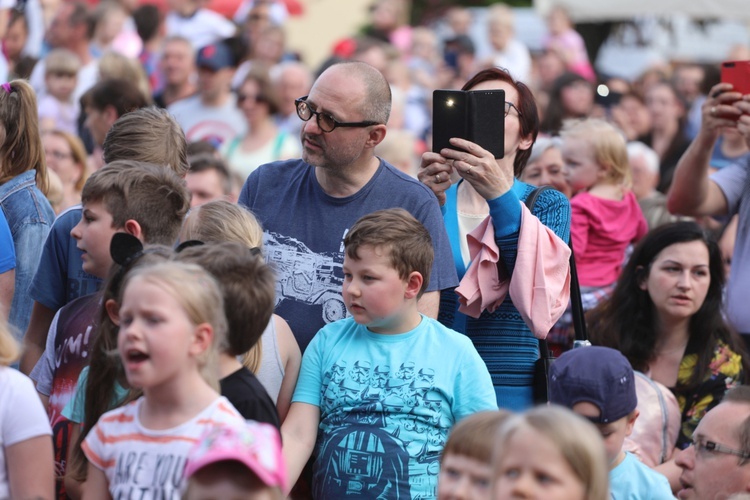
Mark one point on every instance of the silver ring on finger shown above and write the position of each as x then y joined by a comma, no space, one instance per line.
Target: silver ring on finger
437,178
469,169
713,110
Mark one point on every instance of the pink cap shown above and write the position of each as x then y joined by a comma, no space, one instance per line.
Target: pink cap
256,445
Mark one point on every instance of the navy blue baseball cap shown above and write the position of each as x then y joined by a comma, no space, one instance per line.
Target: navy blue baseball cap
597,375
215,57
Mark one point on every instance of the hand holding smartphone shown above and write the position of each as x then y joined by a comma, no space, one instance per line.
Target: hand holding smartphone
738,74
475,115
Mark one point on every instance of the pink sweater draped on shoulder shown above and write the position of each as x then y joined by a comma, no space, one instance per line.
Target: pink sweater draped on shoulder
539,286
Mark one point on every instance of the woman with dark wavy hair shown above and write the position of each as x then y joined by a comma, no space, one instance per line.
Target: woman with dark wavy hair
665,317
488,186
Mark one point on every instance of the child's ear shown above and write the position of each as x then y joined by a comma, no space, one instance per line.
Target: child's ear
631,422
113,311
203,336
133,227
604,169
413,285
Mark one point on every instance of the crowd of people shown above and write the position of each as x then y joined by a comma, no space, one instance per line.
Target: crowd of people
225,273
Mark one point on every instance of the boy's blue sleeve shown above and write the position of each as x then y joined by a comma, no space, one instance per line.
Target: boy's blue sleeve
310,380
473,389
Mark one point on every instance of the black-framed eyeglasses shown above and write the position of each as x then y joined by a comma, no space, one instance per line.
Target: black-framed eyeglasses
326,122
509,105
709,447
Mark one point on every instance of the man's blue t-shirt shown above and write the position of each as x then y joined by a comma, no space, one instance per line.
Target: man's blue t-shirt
60,277
304,231
387,403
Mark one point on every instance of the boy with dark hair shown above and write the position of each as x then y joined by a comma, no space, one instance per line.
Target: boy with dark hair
248,287
379,391
149,135
598,383
145,200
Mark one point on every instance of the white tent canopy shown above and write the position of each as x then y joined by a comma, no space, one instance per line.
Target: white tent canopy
617,10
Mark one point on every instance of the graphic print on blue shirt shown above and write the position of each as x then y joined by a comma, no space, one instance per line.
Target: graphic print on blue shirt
390,437
305,276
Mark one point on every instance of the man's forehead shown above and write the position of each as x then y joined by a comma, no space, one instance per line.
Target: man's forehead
723,422
338,83
210,175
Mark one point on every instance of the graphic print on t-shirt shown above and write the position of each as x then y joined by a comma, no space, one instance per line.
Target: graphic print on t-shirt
386,431
306,277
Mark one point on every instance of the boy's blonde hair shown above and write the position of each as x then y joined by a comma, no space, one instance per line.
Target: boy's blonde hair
61,61
407,241
153,196
200,297
607,144
577,440
474,436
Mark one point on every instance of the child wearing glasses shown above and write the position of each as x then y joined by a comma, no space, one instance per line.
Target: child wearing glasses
598,383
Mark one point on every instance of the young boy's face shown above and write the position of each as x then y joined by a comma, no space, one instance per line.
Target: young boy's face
613,433
93,234
60,85
375,294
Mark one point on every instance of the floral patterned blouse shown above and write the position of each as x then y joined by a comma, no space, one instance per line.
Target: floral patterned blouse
725,371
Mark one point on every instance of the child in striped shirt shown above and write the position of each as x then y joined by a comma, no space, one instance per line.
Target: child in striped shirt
171,323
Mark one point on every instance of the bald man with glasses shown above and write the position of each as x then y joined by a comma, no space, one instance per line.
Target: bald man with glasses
307,205
717,465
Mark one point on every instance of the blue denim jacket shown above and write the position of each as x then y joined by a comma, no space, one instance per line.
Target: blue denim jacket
30,217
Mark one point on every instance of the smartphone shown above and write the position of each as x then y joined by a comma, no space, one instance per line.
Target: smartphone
607,98
738,74
475,115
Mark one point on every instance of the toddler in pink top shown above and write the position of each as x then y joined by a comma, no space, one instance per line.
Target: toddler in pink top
606,218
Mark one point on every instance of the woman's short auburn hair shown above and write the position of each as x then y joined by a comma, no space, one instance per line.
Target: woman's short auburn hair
528,113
